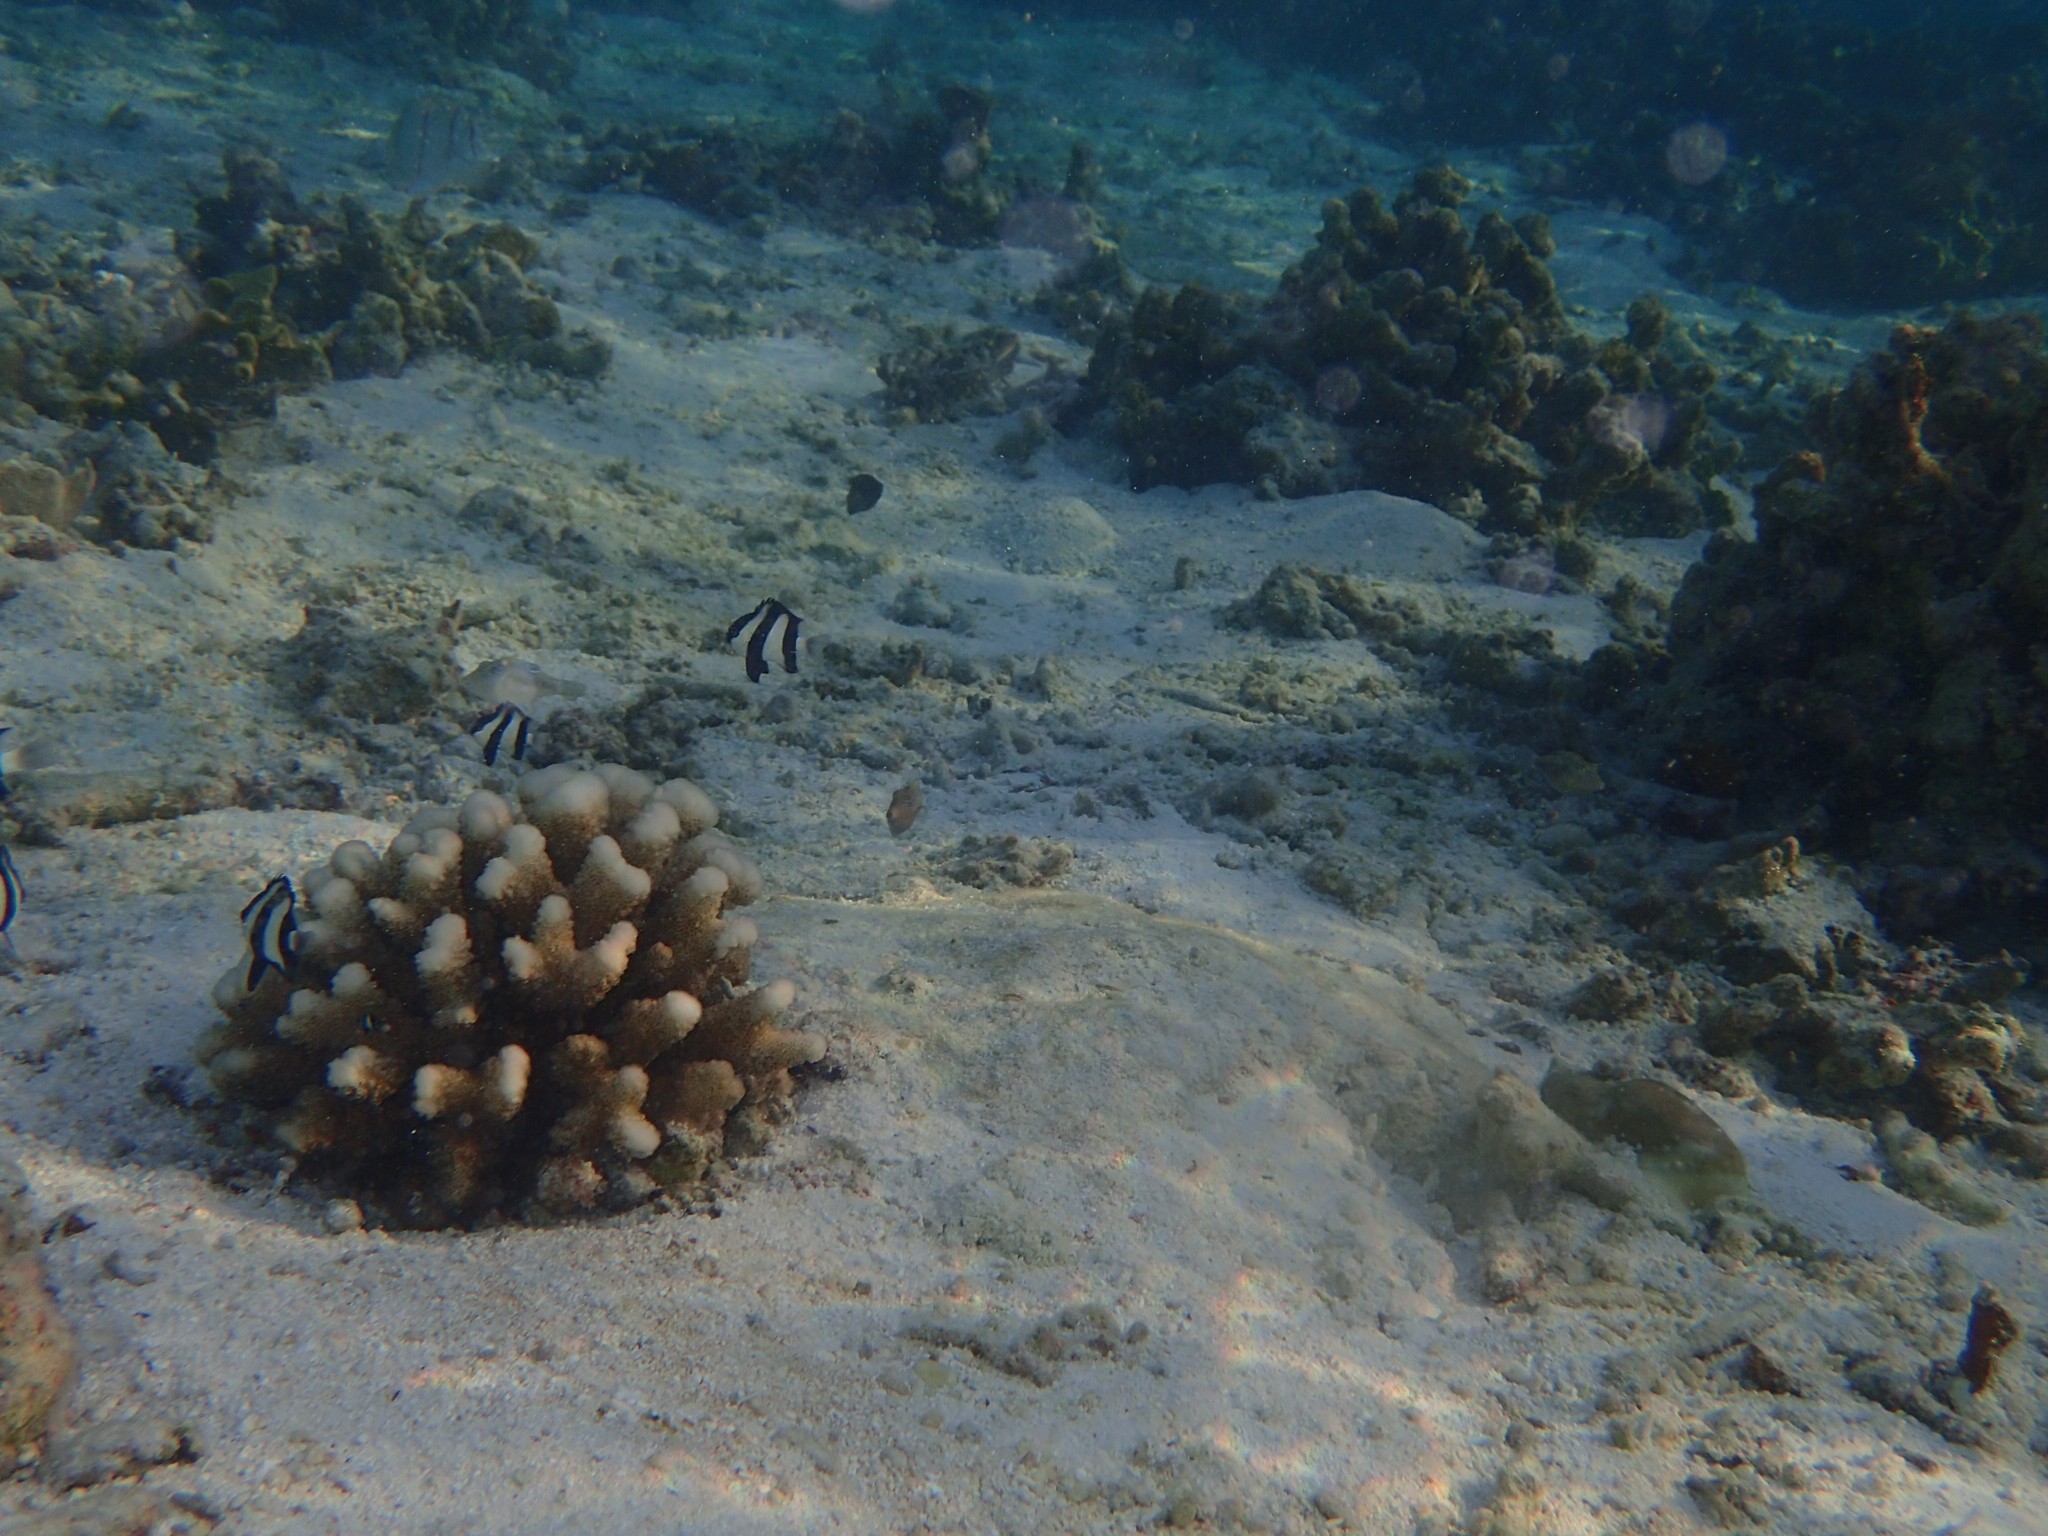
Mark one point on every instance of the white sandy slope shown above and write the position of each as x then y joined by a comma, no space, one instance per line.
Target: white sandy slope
1175,1091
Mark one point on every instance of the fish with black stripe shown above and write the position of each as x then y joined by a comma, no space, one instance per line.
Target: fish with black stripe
271,922
10,898
495,728
772,623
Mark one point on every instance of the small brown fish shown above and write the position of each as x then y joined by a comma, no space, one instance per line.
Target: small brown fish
862,492
904,806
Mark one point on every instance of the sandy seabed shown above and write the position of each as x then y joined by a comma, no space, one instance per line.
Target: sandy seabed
1108,1215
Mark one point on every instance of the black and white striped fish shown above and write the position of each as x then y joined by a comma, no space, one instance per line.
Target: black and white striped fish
773,624
10,891
272,923
506,726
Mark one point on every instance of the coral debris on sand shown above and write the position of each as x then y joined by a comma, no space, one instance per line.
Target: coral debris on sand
535,1006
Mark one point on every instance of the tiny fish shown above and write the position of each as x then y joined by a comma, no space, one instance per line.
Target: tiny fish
903,808
772,623
436,142
495,728
862,492
272,924
10,890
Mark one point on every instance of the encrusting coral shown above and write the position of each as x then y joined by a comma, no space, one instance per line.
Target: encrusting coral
537,1005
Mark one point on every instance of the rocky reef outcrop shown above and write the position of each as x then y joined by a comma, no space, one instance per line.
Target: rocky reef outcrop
1872,671
1412,352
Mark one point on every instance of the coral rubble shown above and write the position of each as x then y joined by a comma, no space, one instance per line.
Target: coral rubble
534,1005
1870,669
1781,972
916,171
1411,352
293,296
288,296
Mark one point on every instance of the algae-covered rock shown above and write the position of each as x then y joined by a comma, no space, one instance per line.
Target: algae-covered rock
1677,1143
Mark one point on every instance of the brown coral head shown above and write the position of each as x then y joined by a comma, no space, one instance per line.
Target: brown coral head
1992,1331
535,1006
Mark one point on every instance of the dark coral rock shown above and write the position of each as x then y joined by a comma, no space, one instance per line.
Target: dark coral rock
1410,352
1873,663
942,375
230,367
920,171
713,171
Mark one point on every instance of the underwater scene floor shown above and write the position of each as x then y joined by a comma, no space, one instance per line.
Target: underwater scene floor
1253,1089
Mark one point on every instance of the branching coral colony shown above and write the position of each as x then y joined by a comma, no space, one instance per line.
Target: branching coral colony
537,1007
